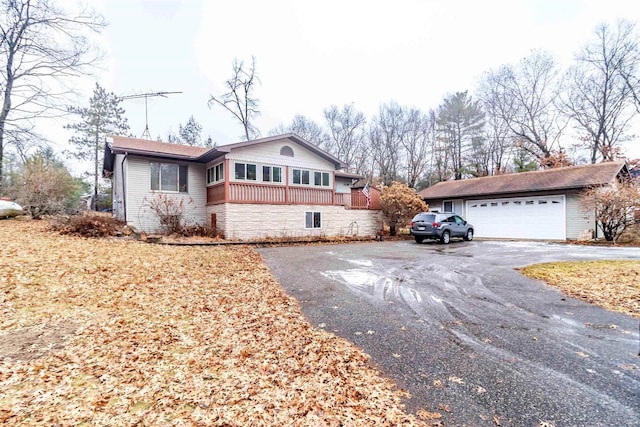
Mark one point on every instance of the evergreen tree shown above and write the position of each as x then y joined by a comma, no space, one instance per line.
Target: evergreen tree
103,116
190,132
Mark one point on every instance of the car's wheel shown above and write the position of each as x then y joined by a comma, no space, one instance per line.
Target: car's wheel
469,236
446,237
419,239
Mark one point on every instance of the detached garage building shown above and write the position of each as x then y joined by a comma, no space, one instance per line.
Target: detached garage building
530,205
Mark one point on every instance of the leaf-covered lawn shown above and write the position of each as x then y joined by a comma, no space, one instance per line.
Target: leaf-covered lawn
614,285
108,332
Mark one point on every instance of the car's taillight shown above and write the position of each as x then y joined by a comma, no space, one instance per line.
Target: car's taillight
412,224
435,225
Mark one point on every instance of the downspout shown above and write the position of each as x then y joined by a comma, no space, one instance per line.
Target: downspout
124,187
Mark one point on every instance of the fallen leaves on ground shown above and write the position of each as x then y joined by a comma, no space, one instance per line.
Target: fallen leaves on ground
614,285
164,335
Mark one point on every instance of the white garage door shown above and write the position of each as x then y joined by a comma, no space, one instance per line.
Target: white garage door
519,217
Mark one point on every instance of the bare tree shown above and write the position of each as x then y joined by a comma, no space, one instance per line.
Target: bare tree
460,121
385,138
522,97
346,135
43,47
499,138
240,100
419,131
598,97
304,128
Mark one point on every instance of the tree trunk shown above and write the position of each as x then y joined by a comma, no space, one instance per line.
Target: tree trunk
95,170
6,108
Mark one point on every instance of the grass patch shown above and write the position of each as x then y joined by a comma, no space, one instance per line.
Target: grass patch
614,285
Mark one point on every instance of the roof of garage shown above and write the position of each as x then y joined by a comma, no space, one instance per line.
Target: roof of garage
572,177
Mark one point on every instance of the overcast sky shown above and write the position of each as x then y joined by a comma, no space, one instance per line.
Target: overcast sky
311,54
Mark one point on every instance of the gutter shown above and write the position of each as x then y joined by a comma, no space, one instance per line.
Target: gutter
124,187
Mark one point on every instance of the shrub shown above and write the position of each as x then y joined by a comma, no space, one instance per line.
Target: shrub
43,187
399,204
614,207
200,231
170,212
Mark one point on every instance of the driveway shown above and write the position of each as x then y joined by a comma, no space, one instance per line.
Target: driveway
468,336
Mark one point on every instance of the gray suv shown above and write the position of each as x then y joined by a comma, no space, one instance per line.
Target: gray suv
440,225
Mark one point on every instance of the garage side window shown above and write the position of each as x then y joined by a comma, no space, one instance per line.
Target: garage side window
312,220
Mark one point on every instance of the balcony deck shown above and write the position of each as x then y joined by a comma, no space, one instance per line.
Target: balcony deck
234,192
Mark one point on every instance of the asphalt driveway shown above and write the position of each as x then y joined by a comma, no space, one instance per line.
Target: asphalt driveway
467,335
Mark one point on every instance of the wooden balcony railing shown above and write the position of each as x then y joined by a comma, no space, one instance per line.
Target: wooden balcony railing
279,194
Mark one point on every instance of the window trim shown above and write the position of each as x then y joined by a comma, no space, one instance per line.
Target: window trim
271,175
313,221
307,177
245,169
216,172
180,168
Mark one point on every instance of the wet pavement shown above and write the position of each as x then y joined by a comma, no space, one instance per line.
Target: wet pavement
467,335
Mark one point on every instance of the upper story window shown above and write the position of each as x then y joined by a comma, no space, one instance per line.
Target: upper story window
215,173
321,178
286,151
246,171
168,177
271,174
303,177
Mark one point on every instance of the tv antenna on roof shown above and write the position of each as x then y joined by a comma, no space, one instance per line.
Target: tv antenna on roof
146,96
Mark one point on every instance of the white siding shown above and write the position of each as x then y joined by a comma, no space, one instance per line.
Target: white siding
578,220
249,221
269,153
343,185
138,187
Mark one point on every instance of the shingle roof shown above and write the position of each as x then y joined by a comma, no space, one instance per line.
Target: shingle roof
121,144
572,177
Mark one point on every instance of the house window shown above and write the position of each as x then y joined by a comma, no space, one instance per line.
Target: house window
271,174
529,202
286,151
246,171
312,220
301,176
168,177
447,206
215,173
321,178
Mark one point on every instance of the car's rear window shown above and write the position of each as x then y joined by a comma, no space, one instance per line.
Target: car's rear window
425,217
